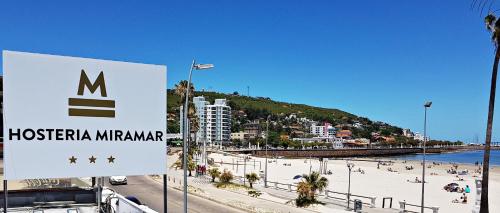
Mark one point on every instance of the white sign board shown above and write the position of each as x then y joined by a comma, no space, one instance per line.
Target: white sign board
78,117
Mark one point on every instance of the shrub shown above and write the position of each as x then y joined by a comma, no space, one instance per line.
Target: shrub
254,193
226,176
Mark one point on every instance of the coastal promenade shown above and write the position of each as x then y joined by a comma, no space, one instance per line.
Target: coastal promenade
351,152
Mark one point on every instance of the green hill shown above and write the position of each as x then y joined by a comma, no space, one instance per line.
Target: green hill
260,108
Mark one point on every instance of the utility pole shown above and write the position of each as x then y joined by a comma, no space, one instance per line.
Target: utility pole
267,137
349,166
185,137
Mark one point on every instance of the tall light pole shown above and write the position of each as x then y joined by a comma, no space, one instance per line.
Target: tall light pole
349,166
185,123
267,137
426,105
204,154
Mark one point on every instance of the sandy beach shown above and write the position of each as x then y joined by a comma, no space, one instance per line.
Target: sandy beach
379,182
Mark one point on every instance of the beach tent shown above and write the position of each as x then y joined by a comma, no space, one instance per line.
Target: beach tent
297,177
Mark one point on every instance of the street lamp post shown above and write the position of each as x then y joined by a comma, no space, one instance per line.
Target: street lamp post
350,166
426,105
204,154
185,123
245,171
267,136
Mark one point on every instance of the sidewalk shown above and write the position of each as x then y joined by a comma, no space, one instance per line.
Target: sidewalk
337,204
203,187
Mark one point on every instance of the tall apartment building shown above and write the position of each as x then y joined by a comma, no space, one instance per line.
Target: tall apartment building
218,122
214,121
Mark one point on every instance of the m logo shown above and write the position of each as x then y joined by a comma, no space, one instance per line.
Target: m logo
99,83
91,107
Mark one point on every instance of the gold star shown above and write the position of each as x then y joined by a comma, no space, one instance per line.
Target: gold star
111,159
92,159
72,159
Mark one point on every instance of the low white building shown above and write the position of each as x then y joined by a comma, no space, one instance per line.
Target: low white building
338,143
408,133
239,136
327,130
357,125
418,137
317,130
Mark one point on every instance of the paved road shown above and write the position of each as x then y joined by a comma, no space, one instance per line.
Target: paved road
150,193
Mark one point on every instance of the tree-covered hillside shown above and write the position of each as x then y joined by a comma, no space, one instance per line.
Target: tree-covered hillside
259,108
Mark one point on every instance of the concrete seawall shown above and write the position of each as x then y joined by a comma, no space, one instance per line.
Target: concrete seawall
332,153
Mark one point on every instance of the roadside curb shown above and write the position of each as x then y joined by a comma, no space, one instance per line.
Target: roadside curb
208,198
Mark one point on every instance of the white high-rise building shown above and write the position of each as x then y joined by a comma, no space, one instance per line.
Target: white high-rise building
218,122
214,121
200,105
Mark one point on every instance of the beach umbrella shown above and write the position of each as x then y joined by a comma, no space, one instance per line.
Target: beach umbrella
297,177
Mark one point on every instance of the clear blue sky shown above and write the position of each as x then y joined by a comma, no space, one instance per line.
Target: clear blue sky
379,59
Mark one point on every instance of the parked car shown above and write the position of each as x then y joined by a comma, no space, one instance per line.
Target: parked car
114,180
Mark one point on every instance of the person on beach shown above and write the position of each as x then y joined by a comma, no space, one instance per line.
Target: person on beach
464,198
467,189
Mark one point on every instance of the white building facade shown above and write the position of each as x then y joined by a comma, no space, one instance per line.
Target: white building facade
218,122
327,130
200,104
214,121
317,130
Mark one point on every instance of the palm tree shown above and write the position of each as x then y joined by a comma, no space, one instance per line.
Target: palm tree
493,25
214,173
194,122
191,167
307,189
306,195
252,177
316,182
179,162
180,90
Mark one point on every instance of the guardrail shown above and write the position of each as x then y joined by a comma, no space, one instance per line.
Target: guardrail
371,202
327,193
404,204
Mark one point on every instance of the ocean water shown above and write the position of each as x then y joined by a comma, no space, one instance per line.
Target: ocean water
469,157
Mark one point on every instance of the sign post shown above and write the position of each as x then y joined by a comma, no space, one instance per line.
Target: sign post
5,193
